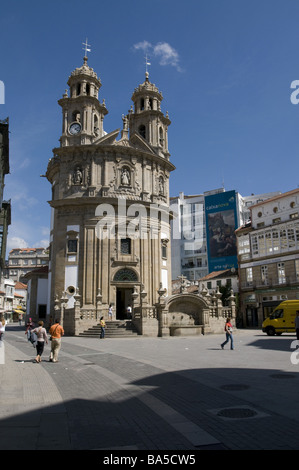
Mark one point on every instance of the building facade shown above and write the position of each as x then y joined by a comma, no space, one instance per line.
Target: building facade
193,253
5,206
189,256
226,279
268,256
23,260
110,232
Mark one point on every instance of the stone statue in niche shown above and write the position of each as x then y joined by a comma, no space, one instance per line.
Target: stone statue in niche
161,186
77,176
125,177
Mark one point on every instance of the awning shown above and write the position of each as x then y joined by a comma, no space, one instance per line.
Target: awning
18,311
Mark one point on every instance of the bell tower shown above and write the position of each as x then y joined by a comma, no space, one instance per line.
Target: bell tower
83,114
147,119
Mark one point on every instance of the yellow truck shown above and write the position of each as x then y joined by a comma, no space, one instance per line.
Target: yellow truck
282,319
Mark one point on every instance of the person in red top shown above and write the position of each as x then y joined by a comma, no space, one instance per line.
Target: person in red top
229,334
56,332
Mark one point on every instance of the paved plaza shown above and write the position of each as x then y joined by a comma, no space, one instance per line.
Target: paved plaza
177,394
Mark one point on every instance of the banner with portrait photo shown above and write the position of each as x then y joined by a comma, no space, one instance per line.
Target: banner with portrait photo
221,223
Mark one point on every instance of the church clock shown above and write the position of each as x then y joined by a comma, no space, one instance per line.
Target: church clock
75,128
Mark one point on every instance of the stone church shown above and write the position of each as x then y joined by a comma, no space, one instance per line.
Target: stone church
110,220
110,231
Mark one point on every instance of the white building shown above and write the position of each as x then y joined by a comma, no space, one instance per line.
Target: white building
226,278
268,250
23,260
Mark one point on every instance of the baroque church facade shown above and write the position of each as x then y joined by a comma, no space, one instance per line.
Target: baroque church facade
110,220
110,230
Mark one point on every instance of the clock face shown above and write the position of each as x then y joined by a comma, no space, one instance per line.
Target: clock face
75,128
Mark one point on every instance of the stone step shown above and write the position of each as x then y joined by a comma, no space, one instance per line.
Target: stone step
114,329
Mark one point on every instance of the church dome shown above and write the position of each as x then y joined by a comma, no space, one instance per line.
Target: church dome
147,87
84,72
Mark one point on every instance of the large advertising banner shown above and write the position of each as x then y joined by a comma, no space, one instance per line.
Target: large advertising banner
221,223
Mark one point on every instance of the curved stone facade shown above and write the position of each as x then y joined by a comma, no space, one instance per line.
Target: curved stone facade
110,231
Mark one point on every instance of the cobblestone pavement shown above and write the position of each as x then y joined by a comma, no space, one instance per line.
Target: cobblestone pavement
177,393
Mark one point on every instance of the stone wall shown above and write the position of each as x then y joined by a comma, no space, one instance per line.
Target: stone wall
181,314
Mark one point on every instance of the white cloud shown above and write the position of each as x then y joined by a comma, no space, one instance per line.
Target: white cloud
42,244
163,51
16,242
45,231
144,45
167,54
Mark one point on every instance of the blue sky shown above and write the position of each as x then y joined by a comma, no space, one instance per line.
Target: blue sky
224,68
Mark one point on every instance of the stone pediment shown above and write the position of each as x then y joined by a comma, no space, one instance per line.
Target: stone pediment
140,143
107,139
135,142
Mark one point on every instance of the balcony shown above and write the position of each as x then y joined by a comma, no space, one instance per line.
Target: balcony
259,283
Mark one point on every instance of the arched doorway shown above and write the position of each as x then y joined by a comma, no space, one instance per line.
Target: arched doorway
124,280
123,301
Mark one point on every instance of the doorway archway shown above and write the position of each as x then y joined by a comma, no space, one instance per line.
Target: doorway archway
125,279
123,301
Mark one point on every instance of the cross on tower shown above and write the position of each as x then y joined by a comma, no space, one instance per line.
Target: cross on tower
86,47
146,64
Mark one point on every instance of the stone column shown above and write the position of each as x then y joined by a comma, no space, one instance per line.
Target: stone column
89,266
77,309
162,312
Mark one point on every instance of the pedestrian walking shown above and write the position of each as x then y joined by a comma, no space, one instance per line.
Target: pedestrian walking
110,312
2,327
30,336
229,334
297,324
103,326
56,332
42,338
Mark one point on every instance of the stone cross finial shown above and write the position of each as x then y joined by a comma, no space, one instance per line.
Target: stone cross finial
183,280
86,48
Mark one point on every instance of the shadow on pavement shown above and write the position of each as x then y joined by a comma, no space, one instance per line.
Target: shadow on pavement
275,343
119,420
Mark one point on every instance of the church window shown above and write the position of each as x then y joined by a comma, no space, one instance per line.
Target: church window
71,290
161,136
164,248
72,246
87,89
125,275
78,89
125,246
141,130
142,104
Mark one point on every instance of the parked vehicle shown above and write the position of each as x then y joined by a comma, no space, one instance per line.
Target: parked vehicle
282,319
